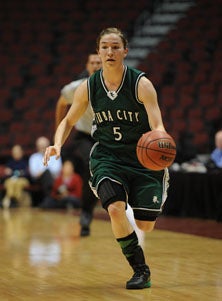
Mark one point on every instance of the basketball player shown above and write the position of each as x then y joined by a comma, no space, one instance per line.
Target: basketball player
82,141
81,146
125,105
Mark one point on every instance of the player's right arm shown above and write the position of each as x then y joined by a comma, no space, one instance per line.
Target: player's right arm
61,110
76,110
65,100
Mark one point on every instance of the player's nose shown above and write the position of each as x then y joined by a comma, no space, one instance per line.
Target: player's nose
110,51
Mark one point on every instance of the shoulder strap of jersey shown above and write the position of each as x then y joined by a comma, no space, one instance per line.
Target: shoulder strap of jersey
91,83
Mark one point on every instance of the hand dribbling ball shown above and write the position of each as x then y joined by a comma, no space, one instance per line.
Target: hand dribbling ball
156,150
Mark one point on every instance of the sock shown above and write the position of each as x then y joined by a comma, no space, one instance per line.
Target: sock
132,250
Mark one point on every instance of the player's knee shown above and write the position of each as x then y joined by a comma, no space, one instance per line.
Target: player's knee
145,226
111,192
116,210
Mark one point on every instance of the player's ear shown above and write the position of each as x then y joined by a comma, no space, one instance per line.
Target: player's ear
126,52
98,53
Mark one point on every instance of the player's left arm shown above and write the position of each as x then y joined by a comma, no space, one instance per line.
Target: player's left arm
148,96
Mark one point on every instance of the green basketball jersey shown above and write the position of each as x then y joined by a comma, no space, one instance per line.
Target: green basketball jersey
120,118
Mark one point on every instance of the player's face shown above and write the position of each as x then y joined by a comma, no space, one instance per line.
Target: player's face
111,49
93,64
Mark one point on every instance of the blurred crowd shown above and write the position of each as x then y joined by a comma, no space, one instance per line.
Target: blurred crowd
188,159
58,184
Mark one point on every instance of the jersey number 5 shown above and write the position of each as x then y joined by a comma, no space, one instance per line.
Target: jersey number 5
118,135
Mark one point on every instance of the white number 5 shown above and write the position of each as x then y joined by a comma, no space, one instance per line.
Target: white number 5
117,133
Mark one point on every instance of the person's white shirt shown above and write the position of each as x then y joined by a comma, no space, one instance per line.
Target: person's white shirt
36,167
84,124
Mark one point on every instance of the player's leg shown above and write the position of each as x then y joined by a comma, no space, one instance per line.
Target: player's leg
113,198
145,226
147,196
140,233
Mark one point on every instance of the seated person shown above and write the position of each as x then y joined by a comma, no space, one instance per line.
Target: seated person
216,155
17,179
40,174
67,189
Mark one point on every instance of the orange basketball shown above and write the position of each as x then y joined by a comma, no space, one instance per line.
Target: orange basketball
156,150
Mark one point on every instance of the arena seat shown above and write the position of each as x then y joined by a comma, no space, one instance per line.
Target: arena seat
191,52
44,49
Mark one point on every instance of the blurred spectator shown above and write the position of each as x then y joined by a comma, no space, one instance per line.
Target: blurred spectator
216,155
40,174
17,178
82,142
67,189
213,126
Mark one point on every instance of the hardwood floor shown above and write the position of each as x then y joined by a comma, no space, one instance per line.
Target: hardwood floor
43,258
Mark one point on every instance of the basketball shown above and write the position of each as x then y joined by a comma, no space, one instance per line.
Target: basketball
156,150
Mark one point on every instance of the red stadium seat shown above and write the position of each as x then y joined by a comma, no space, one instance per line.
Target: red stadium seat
201,140
195,125
213,113
6,116
39,57
195,112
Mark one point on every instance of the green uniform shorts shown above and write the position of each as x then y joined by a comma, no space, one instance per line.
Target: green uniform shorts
146,190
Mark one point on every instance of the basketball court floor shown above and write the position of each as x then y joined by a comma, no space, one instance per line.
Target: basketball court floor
43,258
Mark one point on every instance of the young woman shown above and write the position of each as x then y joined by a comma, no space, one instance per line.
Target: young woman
125,106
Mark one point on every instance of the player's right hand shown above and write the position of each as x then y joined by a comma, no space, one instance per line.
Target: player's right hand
52,150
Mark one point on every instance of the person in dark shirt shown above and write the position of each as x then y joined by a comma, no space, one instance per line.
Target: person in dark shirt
16,179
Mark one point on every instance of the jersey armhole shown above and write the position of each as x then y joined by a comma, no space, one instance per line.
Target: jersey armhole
136,86
89,92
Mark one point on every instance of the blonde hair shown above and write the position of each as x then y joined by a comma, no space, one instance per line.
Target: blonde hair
114,30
